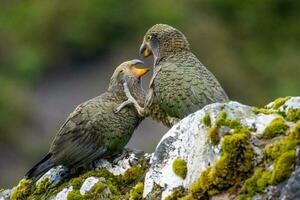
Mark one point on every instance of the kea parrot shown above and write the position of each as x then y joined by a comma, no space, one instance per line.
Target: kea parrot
93,129
180,84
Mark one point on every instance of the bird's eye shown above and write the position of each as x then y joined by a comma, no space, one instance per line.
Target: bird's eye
149,37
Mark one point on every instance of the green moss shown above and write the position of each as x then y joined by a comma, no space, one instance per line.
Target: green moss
155,193
221,119
206,120
275,128
255,184
103,190
290,142
118,185
282,155
262,110
231,123
176,194
98,187
214,135
279,102
22,191
136,193
293,115
42,186
187,197
180,168
283,167
103,172
133,174
294,132
75,195
234,166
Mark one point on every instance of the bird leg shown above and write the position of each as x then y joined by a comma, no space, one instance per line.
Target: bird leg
130,100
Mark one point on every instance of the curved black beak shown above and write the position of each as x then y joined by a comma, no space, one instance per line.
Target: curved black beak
137,61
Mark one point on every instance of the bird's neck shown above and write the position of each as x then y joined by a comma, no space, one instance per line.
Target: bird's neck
135,88
167,55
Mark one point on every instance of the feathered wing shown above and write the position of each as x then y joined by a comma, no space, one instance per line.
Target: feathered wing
79,140
184,88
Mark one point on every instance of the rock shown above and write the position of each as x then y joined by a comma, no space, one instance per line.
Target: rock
223,151
291,189
102,180
89,183
53,177
62,195
189,140
5,194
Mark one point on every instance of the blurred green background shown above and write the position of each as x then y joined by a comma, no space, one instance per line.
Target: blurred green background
55,54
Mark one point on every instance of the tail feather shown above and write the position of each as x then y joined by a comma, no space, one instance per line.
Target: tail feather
40,168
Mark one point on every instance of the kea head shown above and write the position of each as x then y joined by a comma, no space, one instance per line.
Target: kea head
128,72
161,40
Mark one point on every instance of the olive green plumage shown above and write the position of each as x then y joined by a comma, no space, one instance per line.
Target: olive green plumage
181,84
94,130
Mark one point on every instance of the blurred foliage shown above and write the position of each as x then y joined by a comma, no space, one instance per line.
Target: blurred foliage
42,34
267,34
38,36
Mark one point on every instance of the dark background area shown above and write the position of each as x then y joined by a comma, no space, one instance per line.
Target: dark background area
56,54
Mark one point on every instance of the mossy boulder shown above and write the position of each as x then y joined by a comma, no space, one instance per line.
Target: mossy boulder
223,151
118,178
231,151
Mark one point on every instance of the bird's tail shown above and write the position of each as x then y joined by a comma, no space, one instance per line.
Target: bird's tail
40,168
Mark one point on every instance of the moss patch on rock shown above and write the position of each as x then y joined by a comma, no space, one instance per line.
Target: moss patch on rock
136,193
282,155
22,191
180,168
214,133
262,110
117,185
279,102
177,193
75,195
290,142
234,166
293,115
255,184
283,167
275,128
206,120
42,186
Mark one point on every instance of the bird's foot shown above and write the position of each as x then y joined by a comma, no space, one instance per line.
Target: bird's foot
130,100
122,105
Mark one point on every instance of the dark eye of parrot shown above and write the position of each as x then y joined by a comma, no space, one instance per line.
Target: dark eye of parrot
149,37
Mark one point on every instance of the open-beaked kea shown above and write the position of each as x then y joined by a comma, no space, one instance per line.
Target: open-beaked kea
94,129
